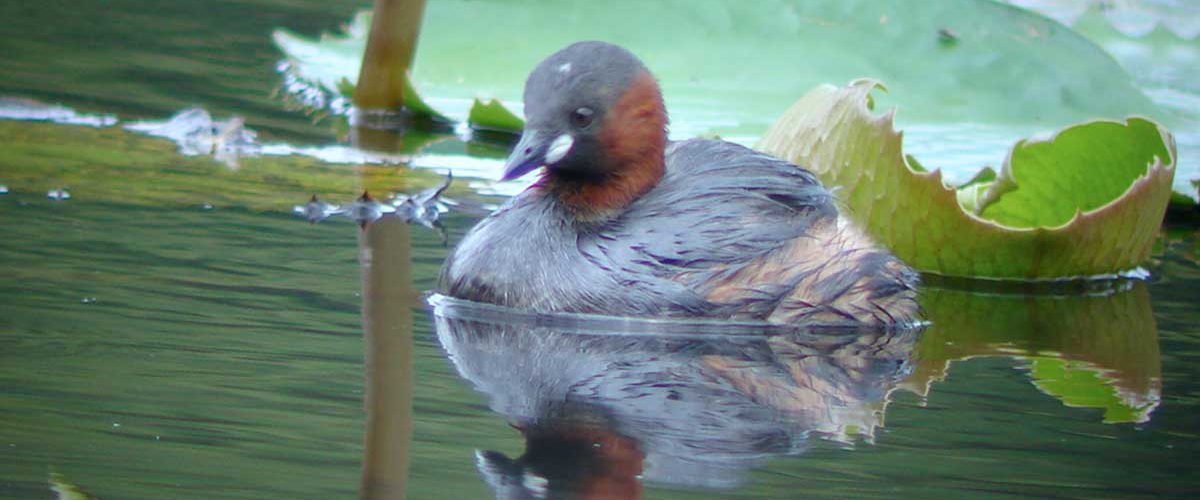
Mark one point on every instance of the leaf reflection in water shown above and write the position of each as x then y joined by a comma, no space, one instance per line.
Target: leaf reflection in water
1097,350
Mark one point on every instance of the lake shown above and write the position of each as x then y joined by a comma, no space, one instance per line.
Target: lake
174,330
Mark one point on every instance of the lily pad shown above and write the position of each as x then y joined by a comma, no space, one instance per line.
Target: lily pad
1133,18
470,48
493,116
1082,168
324,68
1044,217
413,101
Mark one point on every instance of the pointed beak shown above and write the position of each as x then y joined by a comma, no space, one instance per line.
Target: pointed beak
529,154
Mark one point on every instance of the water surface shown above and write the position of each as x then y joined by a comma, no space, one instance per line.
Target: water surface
173,331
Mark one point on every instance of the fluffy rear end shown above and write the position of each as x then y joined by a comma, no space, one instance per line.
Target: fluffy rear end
832,275
840,276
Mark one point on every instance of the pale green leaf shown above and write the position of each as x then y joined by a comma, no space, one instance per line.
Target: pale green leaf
832,132
332,62
755,58
1080,169
493,116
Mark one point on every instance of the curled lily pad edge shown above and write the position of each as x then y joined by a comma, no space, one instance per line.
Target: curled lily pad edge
1154,183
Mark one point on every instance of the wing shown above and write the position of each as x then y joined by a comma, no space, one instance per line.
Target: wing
719,206
718,203
754,236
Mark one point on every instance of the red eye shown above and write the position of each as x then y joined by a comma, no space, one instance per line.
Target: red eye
581,117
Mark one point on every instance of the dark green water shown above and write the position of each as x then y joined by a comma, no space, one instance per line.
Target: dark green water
156,349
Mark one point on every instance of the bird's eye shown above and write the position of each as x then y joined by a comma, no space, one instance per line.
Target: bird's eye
581,117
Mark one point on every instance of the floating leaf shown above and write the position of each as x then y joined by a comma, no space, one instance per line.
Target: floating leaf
1183,210
740,88
972,194
413,101
1135,18
493,116
330,59
1010,73
328,66
1082,168
832,131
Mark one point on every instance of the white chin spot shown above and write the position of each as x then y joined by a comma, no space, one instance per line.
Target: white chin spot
559,148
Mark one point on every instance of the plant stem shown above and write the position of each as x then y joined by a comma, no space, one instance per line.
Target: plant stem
390,47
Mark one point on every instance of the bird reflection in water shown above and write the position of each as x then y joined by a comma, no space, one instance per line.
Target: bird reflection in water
604,406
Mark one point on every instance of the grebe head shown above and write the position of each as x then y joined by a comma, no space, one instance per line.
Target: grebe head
594,117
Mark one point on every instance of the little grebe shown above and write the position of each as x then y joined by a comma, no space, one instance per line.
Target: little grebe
625,222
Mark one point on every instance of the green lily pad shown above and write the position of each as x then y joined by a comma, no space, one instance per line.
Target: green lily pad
470,48
1082,168
972,195
331,63
413,101
1090,226
493,116
330,59
1136,19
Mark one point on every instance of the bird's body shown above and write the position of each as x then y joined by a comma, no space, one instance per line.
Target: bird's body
625,223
